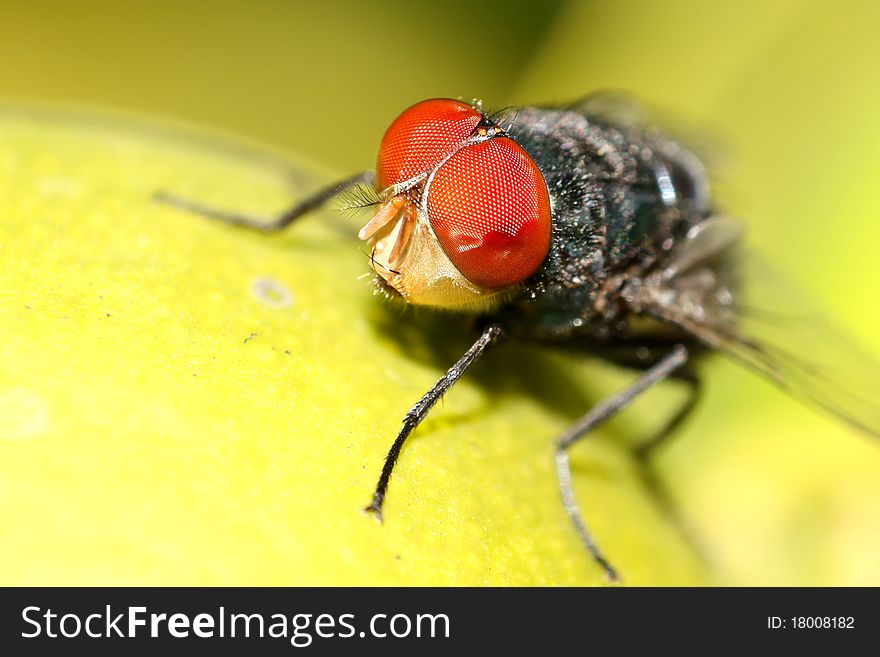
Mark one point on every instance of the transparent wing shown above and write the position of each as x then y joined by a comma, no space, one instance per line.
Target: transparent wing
611,107
734,302
625,111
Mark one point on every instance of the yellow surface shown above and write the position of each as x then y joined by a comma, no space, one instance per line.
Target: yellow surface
160,423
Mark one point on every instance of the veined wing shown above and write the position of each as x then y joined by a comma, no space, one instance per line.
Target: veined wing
734,303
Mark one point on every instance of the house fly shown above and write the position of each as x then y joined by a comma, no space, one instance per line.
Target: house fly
578,225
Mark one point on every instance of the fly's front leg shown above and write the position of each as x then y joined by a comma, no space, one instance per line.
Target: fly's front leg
418,412
592,419
265,224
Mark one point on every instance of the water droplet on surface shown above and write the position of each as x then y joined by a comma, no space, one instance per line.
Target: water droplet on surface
271,292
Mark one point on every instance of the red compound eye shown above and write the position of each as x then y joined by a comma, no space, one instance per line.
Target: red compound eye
420,137
490,209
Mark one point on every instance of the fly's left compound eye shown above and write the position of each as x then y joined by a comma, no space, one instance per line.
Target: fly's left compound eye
421,136
490,209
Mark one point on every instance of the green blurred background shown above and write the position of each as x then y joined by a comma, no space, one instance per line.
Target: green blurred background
785,97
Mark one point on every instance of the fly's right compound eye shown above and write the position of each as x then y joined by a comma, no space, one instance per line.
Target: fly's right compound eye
422,136
490,209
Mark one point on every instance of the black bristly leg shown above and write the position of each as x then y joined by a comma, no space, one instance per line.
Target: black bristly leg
593,418
263,224
644,450
418,412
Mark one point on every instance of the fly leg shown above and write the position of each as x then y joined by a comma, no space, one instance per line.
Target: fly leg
593,418
645,449
265,224
421,408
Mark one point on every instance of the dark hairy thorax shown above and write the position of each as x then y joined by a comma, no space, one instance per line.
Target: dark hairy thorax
622,196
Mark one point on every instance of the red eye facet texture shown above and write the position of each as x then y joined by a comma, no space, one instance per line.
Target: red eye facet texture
490,209
421,136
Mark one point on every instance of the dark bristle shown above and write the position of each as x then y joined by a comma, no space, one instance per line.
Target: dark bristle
357,198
